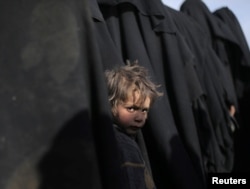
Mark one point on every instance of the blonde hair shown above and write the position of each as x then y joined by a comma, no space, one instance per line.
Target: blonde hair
122,80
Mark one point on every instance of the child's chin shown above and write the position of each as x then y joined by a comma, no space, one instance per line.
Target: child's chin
133,131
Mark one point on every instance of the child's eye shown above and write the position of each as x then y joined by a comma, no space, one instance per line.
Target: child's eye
131,109
145,110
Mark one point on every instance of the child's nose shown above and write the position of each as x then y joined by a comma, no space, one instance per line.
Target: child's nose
140,116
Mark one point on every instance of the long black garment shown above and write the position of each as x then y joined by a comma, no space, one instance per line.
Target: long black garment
56,130
240,55
228,45
219,35
140,31
135,171
240,70
217,144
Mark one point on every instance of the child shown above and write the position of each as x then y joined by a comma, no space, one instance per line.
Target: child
131,93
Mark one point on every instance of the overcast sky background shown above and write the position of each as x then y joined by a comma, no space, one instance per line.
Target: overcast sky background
240,8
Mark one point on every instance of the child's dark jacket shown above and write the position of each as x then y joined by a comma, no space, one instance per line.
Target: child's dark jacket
135,173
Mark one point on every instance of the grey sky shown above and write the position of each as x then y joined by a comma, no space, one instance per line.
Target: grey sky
241,9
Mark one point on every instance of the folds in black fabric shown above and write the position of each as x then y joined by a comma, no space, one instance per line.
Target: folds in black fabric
56,130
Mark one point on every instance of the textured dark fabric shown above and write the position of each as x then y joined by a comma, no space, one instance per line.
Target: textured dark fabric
56,130
220,37
240,70
240,56
152,40
135,173
229,18
217,145
110,55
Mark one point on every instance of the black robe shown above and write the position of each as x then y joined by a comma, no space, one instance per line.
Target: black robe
241,59
220,36
141,31
240,70
215,135
230,46
56,130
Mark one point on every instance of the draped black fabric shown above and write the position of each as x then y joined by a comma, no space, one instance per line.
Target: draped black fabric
220,36
228,41
240,58
149,36
217,146
240,65
240,70
55,127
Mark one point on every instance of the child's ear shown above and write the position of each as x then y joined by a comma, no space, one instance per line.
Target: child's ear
114,111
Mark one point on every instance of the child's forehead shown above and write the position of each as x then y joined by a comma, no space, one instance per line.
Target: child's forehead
136,98
134,94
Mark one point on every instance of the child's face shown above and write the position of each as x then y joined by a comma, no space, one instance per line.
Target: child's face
131,115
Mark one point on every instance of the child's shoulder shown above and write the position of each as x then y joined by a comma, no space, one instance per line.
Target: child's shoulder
128,147
124,139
